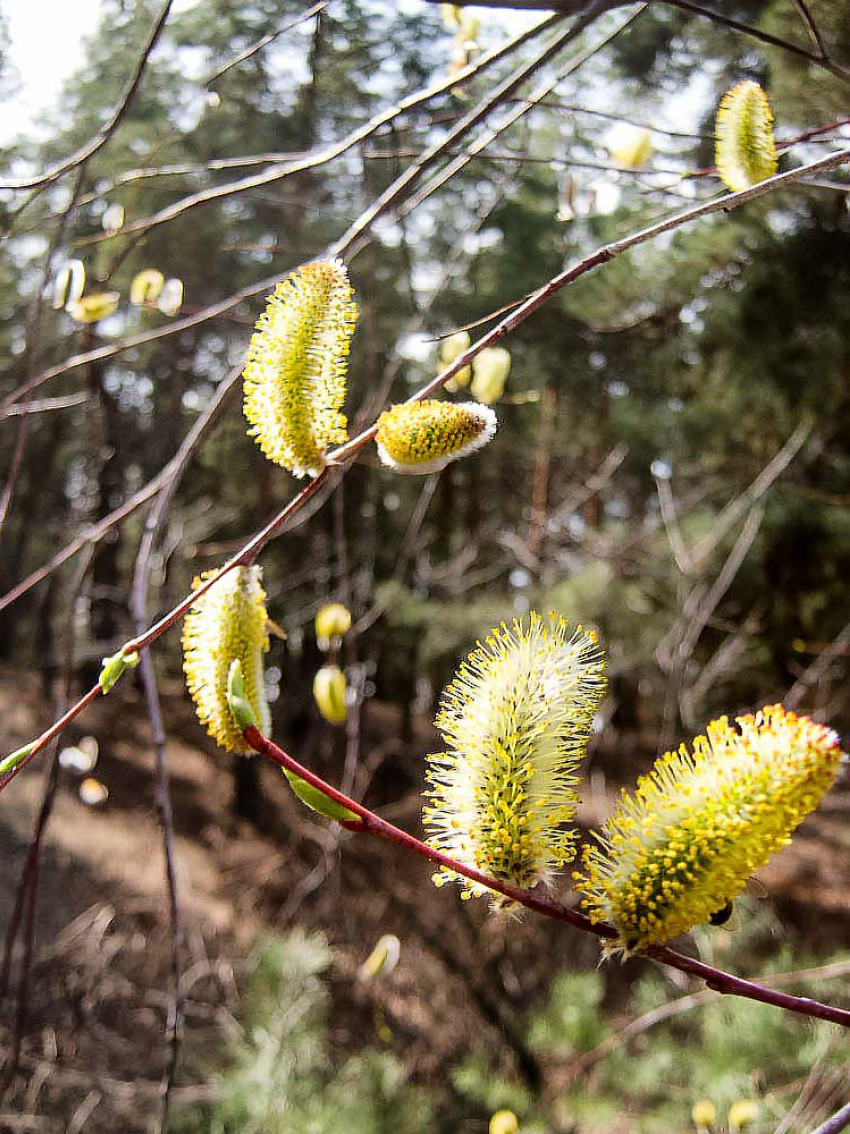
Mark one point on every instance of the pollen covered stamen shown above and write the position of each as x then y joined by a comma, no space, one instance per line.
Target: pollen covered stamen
295,376
227,623
424,437
684,844
516,721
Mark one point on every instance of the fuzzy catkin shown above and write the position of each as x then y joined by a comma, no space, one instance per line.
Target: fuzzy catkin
424,437
295,376
745,147
515,720
228,623
700,823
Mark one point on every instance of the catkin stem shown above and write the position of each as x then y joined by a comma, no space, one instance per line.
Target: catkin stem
541,903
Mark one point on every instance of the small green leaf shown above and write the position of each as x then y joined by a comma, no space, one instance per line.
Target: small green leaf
317,801
10,762
240,706
113,668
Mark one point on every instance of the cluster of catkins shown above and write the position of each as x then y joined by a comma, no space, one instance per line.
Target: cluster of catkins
517,718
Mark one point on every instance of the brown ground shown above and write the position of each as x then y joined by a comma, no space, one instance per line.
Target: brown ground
94,1052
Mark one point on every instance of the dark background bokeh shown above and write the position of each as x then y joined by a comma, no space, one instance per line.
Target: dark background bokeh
671,467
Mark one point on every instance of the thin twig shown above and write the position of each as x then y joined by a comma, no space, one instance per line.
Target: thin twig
45,405
580,1064
33,344
13,764
84,358
812,27
763,36
571,7
337,149
95,532
139,602
110,126
27,894
249,52
370,823
815,672
738,507
479,147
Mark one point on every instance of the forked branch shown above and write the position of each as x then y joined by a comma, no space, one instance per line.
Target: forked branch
542,903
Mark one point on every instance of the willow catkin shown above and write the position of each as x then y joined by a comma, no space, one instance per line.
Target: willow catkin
516,720
701,822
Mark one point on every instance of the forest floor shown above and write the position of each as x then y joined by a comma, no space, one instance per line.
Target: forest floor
93,1051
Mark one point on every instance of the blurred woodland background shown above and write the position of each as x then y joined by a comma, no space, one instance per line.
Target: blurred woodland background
672,467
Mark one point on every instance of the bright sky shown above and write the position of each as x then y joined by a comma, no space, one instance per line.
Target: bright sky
46,41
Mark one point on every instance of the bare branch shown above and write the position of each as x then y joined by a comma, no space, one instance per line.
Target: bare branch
48,404
108,129
329,153
249,52
812,27
571,7
342,456
95,532
478,148
763,37
816,671
741,504
839,1121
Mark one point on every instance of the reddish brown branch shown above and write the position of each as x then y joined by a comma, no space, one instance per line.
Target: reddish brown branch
540,902
347,452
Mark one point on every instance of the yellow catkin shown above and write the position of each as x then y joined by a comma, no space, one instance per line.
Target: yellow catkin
424,437
450,348
226,624
332,621
703,1114
329,688
745,150
146,287
491,368
295,376
700,823
92,308
634,150
515,721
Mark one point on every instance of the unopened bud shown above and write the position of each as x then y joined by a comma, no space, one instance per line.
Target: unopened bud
329,688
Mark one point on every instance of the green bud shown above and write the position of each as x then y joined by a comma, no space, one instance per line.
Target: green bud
240,706
318,801
10,762
113,668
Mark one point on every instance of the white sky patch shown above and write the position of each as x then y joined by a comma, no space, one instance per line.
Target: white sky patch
45,49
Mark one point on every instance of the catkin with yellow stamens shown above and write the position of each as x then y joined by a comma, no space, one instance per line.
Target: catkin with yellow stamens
516,721
490,373
329,691
745,151
424,437
295,376
332,621
228,623
146,287
684,844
